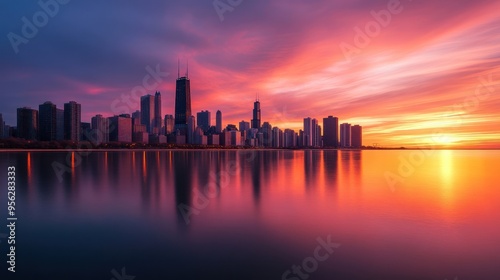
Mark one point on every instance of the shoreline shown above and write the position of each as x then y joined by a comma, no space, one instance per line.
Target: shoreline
231,149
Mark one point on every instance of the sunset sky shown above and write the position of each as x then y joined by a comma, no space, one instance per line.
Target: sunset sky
429,75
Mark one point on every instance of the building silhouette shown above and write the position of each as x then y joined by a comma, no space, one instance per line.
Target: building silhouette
308,132
72,120
218,121
157,123
244,126
120,129
100,129
345,135
59,124
256,115
203,120
182,103
356,136
27,123
148,112
47,121
331,132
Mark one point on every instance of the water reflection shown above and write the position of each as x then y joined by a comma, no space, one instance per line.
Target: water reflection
262,205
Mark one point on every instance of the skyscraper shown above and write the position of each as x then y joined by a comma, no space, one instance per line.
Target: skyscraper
244,126
308,132
345,135
256,115
191,127
27,123
59,124
72,119
267,134
203,120
157,114
182,103
218,121
47,121
316,133
148,112
100,129
356,136
169,124
330,132
120,129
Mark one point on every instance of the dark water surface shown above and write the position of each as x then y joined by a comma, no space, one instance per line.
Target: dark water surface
254,215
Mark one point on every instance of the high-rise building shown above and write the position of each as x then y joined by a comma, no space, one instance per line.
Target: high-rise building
191,127
85,130
244,126
267,134
290,138
148,112
256,115
72,120
203,120
59,124
120,129
157,114
345,135
2,127
218,121
277,137
47,121
182,103
331,132
308,132
356,136
27,123
316,133
100,129
169,124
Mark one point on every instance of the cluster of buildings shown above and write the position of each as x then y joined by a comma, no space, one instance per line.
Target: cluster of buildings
147,125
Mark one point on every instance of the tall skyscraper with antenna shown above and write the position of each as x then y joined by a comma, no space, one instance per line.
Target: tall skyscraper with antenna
182,101
157,113
256,114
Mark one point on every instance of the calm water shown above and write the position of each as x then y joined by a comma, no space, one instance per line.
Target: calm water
253,215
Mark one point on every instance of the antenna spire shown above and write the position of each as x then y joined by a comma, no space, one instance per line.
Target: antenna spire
187,68
178,67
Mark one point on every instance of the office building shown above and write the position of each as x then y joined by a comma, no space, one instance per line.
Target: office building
256,115
100,129
244,126
182,103
47,121
218,122
203,120
72,120
59,124
356,136
27,123
331,132
191,126
345,135
148,112
308,132
120,129
157,122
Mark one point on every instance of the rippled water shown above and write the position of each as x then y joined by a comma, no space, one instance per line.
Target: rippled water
255,215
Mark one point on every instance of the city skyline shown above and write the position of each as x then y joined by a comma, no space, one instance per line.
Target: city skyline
429,68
